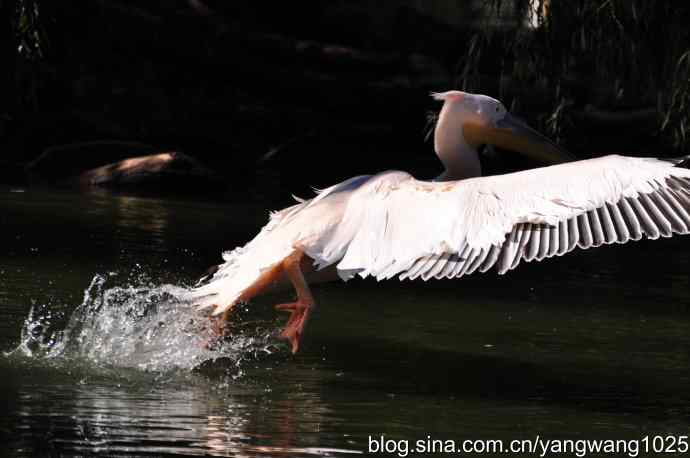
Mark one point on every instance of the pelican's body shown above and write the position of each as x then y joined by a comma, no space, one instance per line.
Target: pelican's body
392,225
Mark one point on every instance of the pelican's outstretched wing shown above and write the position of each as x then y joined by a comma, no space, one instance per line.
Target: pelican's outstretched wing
396,225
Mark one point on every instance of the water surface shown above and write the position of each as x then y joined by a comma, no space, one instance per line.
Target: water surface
100,356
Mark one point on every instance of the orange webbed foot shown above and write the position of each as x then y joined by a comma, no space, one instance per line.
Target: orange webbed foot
299,314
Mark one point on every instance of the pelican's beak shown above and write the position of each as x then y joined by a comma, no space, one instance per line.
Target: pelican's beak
513,134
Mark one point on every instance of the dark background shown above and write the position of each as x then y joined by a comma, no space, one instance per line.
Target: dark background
272,98
287,95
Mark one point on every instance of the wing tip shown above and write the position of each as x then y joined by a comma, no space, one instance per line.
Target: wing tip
679,161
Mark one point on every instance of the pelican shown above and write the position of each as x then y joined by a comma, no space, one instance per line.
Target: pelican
393,225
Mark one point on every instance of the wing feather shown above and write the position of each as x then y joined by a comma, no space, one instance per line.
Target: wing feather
544,242
610,235
394,225
534,242
478,260
525,234
661,202
597,230
491,258
631,218
585,240
578,231
663,224
573,233
449,267
646,224
390,224
421,265
554,239
472,253
510,247
437,267
678,207
563,237
622,232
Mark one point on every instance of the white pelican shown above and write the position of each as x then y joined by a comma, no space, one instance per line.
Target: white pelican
392,224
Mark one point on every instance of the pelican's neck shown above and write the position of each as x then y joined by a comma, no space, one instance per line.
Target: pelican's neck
459,164
459,158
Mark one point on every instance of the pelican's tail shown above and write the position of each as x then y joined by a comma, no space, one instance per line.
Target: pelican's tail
308,225
223,285
242,268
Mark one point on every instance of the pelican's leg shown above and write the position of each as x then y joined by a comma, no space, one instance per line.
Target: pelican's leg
299,310
302,307
266,280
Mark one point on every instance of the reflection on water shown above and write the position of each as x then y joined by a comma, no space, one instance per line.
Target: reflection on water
103,355
177,415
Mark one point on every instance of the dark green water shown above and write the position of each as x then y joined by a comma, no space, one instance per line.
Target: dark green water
592,345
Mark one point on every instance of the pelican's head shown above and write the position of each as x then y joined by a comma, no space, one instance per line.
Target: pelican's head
469,120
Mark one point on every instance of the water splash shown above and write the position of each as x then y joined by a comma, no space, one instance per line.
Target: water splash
142,326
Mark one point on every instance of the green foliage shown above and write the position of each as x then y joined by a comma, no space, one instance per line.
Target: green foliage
31,37
615,54
677,118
